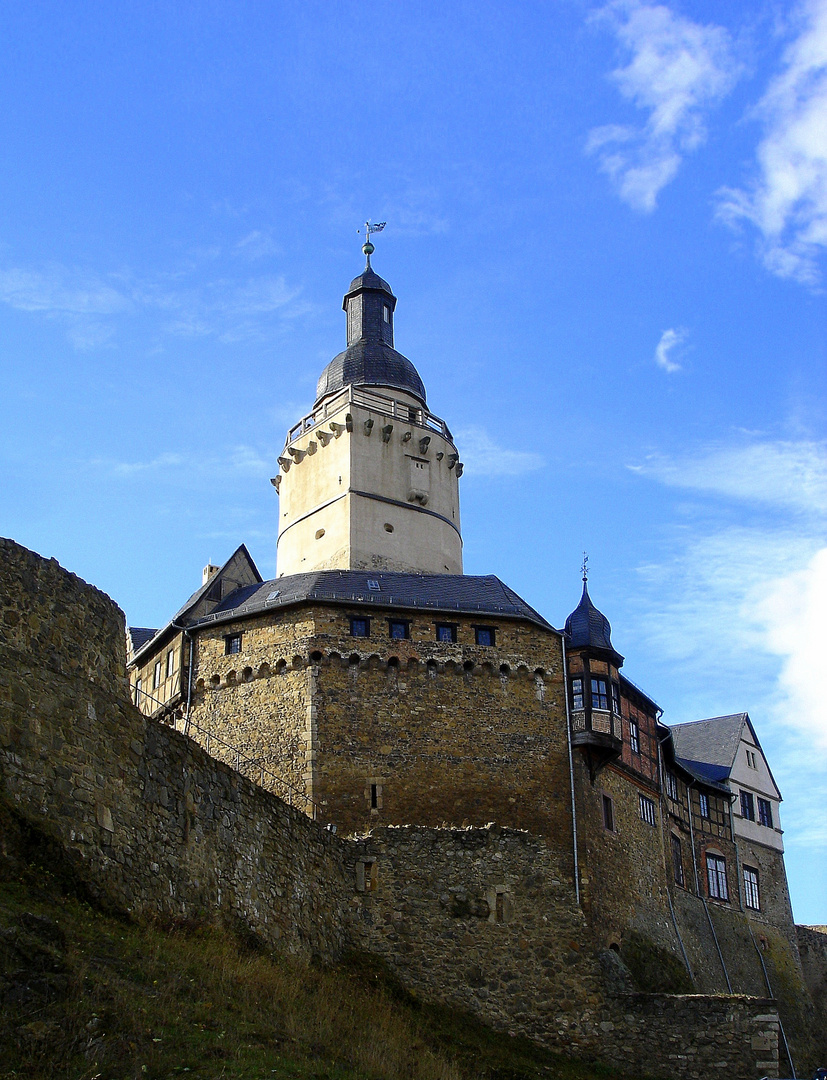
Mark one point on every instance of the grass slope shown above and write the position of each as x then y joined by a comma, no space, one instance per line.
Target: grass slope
86,994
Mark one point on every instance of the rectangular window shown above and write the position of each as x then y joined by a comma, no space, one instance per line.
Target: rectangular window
716,877
600,695
608,814
765,812
170,662
484,635
616,698
752,760
751,888
703,804
446,632
677,860
156,675
374,796
138,688
634,736
360,627
671,785
232,644
747,805
577,694
386,313
647,809
399,629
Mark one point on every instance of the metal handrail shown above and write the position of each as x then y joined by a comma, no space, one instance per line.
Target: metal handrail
240,760
398,410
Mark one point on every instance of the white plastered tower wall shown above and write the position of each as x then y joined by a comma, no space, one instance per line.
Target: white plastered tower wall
370,478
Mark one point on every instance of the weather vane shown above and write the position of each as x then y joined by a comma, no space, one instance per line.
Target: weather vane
585,567
368,247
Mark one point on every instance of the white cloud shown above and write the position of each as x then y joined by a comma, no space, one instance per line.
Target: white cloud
781,474
59,291
669,341
481,455
678,69
787,201
245,460
791,611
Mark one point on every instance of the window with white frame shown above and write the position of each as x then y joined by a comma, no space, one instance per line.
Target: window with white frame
616,698
156,675
716,877
703,804
634,737
677,860
671,785
577,694
751,898
170,662
647,809
600,694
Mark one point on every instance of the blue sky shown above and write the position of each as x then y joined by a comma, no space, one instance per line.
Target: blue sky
606,228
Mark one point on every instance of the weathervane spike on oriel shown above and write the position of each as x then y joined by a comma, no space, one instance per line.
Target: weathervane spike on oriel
585,567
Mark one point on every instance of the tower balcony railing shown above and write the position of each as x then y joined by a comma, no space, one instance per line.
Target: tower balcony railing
376,402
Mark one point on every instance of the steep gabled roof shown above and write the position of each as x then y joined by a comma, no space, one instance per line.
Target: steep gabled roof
239,565
712,744
439,593
714,741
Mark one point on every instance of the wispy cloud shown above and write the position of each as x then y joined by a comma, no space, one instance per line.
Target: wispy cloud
670,340
237,460
482,456
678,70
782,474
59,290
90,307
787,200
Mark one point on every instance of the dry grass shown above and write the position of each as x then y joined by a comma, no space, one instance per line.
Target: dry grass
87,995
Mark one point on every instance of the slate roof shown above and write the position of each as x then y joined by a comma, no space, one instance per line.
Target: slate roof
440,593
586,626
368,279
140,635
370,363
714,741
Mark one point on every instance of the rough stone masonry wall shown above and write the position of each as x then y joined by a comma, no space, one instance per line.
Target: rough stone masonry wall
258,701
156,826
485,920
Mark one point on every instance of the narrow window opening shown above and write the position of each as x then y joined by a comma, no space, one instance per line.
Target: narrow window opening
577,694
751,898
608,814
634,737
232,644
677,861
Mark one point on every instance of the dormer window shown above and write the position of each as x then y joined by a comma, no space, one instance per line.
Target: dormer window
386,313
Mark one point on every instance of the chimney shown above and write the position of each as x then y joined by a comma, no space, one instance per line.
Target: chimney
208,572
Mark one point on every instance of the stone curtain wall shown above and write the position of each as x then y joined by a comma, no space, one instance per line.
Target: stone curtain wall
812,945
481,918
155,825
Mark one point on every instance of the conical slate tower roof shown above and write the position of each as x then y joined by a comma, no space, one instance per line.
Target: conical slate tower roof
370,358
587,627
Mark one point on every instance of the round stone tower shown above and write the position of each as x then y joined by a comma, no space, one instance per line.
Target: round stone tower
369,479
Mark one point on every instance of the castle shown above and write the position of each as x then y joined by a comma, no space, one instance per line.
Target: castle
495,772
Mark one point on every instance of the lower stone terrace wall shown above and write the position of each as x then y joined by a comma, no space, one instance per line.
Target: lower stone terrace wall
484,919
